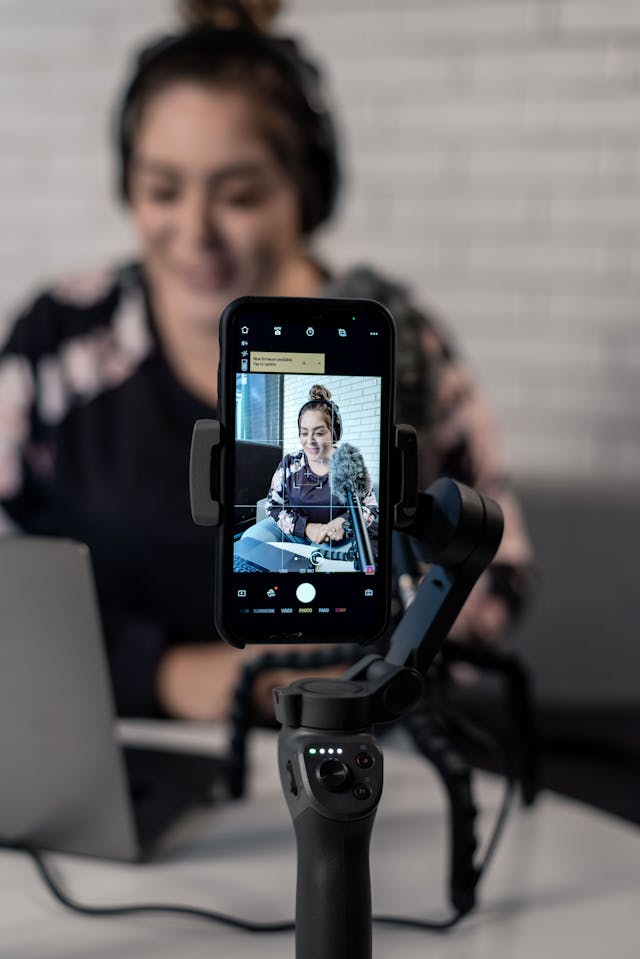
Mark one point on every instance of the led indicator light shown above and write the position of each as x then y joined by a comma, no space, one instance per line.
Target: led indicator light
339,752
330,751
322,752
312,751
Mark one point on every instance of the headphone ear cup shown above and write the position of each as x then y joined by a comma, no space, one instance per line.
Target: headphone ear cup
326,166
323,150
337,424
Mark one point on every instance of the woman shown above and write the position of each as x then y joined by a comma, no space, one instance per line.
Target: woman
300,504
227,166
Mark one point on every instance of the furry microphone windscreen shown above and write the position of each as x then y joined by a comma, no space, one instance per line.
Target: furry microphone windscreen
348,471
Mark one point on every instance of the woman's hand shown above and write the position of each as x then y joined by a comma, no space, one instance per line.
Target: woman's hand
198,681
335,529
331,532
316,532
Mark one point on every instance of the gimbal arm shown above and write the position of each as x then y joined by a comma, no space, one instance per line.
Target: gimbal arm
459,531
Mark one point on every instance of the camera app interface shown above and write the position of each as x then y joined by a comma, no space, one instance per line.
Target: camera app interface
307,465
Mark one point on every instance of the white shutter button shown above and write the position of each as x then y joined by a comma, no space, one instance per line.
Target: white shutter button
306,593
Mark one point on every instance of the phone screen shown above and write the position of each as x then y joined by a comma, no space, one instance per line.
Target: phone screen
306,401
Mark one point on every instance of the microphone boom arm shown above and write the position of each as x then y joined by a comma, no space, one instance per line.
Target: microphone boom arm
360,531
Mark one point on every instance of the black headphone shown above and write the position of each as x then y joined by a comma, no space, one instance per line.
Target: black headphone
303,76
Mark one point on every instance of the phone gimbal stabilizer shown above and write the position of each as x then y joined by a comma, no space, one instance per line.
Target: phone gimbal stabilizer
329,760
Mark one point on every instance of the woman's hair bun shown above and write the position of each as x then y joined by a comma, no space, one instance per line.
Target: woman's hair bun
319,392
230,14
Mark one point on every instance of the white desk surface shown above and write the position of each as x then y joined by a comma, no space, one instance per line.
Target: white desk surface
564,883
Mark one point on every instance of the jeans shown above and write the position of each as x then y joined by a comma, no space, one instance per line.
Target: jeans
268,531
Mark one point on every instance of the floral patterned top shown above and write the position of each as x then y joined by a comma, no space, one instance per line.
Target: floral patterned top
298,496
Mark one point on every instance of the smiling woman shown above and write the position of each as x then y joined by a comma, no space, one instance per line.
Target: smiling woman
205,206
227,165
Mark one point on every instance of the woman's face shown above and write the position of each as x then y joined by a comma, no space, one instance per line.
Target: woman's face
215,213
315,436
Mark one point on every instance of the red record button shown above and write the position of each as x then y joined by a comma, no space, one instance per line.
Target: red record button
364,760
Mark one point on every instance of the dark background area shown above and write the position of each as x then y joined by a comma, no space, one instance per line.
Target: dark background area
580,644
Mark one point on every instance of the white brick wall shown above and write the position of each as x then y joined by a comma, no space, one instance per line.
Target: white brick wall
492,150
358,398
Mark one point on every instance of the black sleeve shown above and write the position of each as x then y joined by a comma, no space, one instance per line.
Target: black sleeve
21,431
135,645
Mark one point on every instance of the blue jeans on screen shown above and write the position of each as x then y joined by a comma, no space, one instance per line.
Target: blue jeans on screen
268,531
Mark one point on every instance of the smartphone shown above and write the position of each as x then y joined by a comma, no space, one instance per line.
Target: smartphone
306,401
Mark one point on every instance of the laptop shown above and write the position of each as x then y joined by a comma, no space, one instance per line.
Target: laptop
66,784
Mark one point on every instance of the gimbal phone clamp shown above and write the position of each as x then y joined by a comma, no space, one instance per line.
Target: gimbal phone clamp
330,764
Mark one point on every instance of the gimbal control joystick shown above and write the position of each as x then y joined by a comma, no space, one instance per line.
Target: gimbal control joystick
333,774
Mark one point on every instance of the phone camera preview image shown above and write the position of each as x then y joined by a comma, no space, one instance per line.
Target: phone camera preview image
307,468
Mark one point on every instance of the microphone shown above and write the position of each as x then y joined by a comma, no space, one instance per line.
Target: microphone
350,481
349,472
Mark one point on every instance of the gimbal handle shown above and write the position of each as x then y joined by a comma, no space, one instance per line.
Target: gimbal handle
332,800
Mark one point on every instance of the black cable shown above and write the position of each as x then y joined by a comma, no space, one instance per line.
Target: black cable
445,924
245,924
496,832
476,734
430,925
498,828
315,659
517,689
433,743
